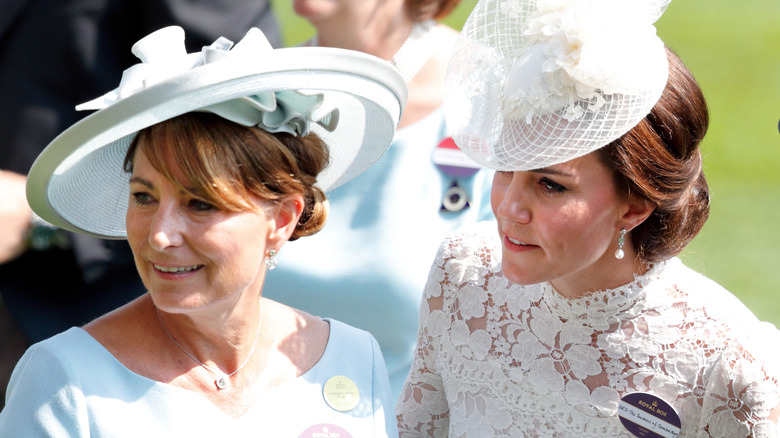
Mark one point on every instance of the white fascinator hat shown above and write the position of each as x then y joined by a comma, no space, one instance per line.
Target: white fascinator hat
352,100
535,83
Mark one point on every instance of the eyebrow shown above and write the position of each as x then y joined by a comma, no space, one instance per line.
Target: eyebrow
141,181
548,171
148,184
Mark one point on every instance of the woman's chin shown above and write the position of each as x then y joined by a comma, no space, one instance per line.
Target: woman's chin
519,277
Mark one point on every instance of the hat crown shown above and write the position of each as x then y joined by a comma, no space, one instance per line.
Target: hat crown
539,82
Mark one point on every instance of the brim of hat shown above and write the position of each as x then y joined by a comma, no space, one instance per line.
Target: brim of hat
78,182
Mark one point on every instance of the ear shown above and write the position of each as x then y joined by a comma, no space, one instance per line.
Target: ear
637,210
283,218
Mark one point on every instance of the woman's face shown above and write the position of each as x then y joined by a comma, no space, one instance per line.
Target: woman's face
560,224
188,253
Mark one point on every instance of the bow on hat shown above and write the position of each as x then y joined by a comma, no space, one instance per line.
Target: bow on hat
164,56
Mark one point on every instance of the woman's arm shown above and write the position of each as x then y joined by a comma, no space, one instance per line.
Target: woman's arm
422,408
742,394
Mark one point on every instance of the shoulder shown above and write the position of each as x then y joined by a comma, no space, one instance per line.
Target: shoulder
468,259
470,238
706,295
355,354
353,357
742,388
345,338
72,357
46,387
475,245
750,357
65,350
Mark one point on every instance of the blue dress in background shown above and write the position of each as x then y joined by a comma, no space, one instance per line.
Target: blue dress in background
369,265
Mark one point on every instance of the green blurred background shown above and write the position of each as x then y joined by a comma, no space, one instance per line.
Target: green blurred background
733,49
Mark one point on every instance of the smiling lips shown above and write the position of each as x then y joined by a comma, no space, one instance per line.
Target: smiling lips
176,269
517,245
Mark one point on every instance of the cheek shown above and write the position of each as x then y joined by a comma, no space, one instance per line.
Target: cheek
570,226
582,230
497,194
244,246
137,229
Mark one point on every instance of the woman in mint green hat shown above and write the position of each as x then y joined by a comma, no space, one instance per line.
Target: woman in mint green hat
208,163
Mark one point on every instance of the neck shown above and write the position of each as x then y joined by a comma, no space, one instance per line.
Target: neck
223,343
612,274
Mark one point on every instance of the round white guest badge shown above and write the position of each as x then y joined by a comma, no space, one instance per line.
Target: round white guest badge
341,393
648,416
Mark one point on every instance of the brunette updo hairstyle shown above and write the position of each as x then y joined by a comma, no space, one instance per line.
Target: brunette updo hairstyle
660,160
223,163
421,10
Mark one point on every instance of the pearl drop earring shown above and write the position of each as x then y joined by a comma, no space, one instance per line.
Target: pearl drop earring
619,254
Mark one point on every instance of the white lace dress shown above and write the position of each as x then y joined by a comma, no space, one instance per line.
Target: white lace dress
499,359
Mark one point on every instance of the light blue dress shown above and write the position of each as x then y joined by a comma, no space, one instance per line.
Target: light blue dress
368,266
71,386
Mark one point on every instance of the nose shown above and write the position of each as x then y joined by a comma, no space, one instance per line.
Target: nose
513,200
166,228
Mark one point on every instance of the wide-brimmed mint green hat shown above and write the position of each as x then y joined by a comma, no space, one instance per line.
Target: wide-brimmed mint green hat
352,100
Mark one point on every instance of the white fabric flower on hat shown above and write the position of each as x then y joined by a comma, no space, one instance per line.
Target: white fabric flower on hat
587,49
533,83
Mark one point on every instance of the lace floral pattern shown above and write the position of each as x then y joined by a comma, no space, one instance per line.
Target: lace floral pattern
498,359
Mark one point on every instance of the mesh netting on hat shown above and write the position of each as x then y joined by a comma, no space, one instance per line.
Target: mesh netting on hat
539,82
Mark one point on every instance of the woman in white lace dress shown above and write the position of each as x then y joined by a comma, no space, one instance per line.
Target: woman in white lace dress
576,318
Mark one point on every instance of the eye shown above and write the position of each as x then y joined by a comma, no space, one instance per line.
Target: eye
142,198
200,206
551,187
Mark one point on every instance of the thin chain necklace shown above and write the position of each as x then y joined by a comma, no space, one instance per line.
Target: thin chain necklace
223,380
413,53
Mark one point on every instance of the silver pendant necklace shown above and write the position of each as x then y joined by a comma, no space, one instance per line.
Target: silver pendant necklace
222,380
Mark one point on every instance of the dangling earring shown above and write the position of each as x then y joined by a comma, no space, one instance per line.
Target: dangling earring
621,240
271,263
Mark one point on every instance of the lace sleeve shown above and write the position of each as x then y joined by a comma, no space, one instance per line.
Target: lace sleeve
422,406
423,409
741,398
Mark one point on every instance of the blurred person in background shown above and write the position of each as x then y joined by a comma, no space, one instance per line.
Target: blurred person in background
385,225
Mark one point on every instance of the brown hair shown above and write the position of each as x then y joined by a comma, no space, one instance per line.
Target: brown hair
224,163
421,10
660,160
